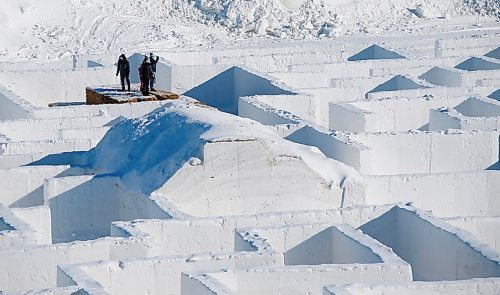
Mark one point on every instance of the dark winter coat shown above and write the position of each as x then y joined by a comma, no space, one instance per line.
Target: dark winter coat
154,62
145,71
123,67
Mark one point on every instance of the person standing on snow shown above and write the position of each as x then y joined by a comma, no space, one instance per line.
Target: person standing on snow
145,74
153,62
123,68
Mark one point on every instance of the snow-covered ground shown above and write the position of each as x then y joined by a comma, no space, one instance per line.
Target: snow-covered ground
317,147
55,29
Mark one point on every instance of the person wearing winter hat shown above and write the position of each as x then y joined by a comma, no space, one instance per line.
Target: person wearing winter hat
145,74
123,68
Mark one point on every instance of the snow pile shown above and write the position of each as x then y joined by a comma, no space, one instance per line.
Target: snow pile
259,17
298,19
485,7
426,11
147,151
55,29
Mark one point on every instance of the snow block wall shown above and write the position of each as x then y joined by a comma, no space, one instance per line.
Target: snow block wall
13,107
495,53
446,194
478,108
495,95
72,220
398,83
300,185
443,77
250,107
40,88
24,227
224,90
406,153
387,115
479,64
375,52
482,227
472,114
408,233
476,287
428,152
22,187
314,244
334,147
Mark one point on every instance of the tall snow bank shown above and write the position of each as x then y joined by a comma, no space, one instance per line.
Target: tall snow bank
146,152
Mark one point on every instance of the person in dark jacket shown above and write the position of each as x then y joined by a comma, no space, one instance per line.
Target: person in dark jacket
153,62
145,74
123,68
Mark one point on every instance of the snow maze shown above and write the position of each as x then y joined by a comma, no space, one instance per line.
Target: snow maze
305,168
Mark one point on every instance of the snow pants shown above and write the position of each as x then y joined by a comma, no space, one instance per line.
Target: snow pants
152,81
145,86
123,78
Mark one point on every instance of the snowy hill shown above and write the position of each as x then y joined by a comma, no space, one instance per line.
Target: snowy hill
151,149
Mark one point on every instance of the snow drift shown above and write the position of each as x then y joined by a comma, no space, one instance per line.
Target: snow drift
146,152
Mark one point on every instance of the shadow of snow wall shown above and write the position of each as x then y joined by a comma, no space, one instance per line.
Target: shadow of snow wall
146,152
224,90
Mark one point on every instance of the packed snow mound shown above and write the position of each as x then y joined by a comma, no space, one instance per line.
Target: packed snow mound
425,11
261,17
147,151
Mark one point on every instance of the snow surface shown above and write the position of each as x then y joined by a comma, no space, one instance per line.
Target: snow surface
56,29
147,151
177,197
